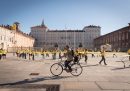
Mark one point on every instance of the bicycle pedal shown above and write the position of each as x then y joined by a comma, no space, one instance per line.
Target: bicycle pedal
64,69
68,70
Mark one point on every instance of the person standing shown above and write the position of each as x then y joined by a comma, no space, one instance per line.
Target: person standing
86,55
1,52
33,55
129,54
42,53
103,57
114,53
29,54
93,55
25,54
60,57
4,54
54,55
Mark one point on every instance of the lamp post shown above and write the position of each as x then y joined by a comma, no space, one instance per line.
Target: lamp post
82,38
129,36
66,34
74,40
66,37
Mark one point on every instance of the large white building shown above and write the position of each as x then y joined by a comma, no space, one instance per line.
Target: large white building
45,38
10,38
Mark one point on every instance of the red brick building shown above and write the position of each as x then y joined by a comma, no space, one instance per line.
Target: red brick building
119,39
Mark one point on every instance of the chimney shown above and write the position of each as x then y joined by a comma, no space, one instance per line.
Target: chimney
129,24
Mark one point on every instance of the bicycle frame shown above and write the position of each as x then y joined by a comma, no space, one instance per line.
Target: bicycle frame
55,68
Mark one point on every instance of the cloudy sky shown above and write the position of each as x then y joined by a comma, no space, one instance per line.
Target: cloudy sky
70,14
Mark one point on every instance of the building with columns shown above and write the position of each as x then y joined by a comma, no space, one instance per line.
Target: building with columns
118,39
46,38
10,37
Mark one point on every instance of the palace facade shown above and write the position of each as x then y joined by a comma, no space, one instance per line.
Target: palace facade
46,38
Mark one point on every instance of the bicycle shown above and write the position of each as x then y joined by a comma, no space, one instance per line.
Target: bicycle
57,68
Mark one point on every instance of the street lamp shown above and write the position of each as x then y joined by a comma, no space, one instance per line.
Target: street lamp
74,40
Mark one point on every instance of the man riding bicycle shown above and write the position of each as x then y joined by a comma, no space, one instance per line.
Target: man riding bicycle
69,56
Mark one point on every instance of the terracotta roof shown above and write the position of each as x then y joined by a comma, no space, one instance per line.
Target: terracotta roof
121,29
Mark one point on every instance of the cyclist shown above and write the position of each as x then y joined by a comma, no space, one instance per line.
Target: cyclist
69,56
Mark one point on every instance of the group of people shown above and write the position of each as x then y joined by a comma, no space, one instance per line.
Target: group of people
70,55
75,57
26,54
30,54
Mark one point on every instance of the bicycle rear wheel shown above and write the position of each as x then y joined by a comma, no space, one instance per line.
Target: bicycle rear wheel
76,69
56,69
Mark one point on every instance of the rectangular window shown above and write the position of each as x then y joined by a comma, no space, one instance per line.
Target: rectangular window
126,35
0,37
10,39
4,38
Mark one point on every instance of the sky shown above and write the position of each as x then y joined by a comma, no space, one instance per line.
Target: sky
110,15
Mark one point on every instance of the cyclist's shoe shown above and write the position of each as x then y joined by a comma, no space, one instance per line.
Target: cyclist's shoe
70,70
65,69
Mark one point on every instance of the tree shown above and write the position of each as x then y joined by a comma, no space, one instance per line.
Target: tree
80,45
56,45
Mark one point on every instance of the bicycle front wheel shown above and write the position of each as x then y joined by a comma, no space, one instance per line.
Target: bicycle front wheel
56,69
76,69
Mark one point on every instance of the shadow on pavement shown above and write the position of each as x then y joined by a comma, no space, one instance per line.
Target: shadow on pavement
33,80
122,68
90,65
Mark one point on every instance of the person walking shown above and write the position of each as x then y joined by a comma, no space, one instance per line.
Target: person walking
103,57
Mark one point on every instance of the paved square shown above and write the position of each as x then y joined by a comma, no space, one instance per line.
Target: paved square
113,77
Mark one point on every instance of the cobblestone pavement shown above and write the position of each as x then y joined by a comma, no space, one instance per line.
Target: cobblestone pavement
113,77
